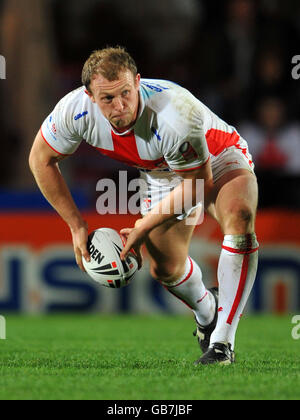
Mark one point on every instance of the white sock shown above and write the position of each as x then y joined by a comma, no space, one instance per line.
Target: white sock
191,290
236,275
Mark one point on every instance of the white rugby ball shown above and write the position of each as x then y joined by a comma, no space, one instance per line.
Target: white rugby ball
106,267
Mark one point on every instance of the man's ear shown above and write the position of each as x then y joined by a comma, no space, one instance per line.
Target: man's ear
90,95
138,80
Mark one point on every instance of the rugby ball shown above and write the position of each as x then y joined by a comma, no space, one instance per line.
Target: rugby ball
106,267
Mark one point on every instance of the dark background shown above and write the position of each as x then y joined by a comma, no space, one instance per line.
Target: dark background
234,55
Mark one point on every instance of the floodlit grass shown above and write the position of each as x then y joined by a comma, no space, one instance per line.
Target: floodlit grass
96,357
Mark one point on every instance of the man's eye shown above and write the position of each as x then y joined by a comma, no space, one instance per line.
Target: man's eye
107,99
126,93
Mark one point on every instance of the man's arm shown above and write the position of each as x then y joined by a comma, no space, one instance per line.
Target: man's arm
185,192
157,216
43,162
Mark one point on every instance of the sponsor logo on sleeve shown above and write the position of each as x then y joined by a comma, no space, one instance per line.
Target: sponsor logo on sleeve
155,87
51,127
81,115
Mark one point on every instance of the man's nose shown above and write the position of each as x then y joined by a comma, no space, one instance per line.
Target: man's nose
118,104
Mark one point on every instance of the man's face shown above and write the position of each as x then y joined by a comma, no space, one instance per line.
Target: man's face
118,100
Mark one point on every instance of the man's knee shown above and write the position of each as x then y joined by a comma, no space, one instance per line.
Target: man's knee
240,218
245,216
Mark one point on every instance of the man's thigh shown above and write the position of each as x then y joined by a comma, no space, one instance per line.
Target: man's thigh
235,192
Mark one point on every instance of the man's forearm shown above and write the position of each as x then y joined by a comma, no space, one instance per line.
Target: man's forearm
57,193
159,215
175,203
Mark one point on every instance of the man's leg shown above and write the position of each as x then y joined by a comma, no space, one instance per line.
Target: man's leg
235,209
168,247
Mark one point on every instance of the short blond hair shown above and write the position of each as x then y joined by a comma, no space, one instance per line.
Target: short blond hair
108,62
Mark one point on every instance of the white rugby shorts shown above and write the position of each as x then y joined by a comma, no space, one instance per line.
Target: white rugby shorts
156,184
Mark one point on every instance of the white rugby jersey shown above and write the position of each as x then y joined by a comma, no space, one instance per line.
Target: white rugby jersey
174,130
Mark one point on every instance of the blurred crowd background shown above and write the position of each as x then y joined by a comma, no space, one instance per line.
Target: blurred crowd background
234,55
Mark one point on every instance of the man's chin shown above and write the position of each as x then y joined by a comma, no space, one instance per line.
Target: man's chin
121,124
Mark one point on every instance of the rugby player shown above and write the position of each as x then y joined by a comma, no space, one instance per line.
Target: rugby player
168,134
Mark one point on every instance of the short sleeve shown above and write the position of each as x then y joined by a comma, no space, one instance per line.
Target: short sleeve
58,133
189,153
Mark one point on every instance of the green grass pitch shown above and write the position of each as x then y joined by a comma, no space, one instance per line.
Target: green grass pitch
97,357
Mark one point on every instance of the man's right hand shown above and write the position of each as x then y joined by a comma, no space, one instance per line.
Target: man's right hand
80,239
